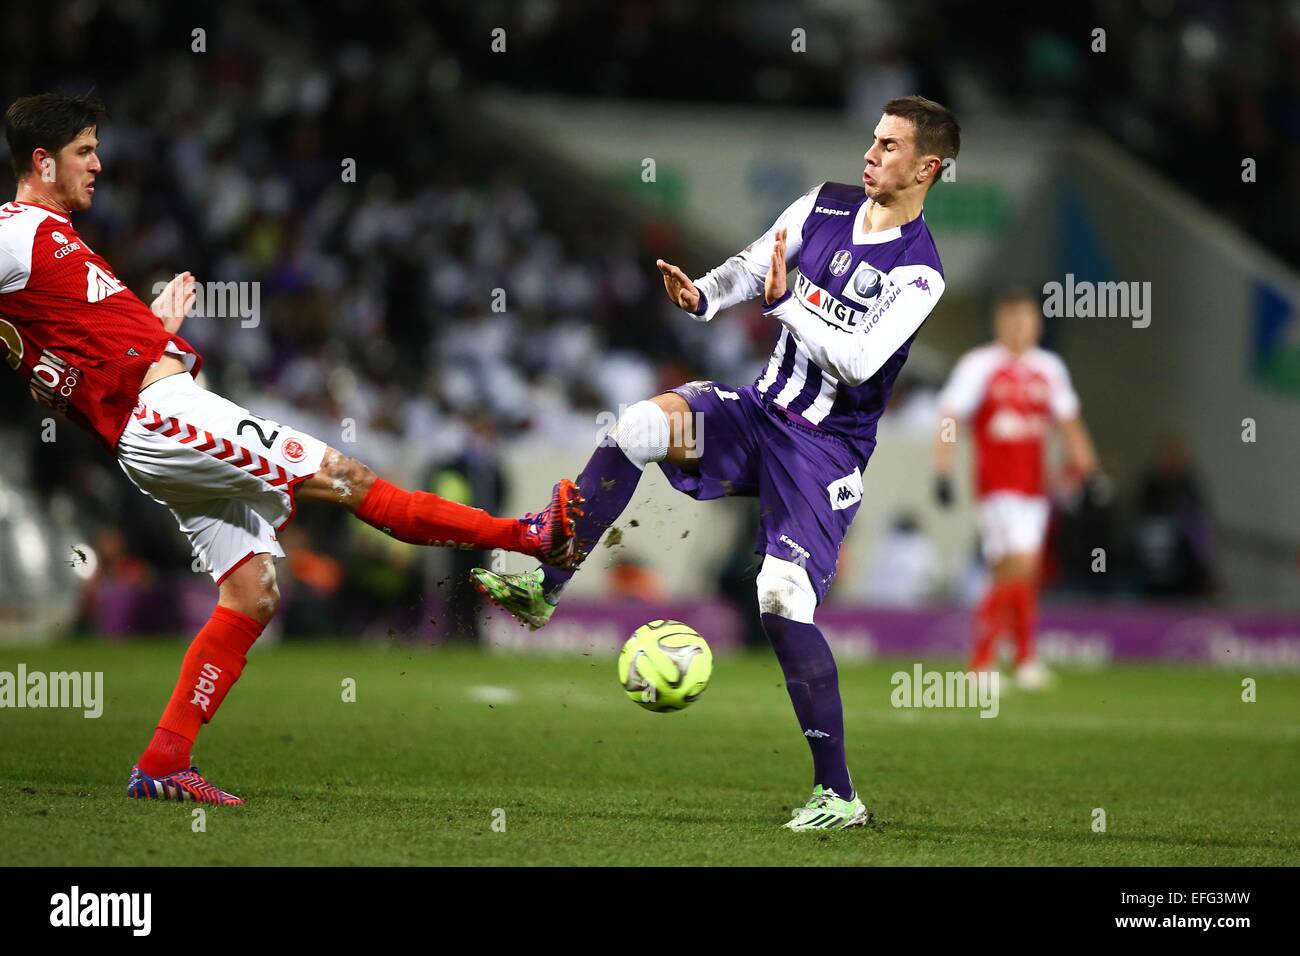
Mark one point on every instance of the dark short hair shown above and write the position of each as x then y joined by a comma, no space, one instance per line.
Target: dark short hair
1015,295
47,121
937,130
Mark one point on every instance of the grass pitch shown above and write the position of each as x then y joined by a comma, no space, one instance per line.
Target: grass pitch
440,745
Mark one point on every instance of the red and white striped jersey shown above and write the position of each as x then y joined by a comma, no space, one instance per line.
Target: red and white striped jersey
1010,400
81,339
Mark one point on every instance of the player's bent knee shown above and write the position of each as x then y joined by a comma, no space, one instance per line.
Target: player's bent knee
682,449
253,590
784,589
643,434
267,602
343,477
672,404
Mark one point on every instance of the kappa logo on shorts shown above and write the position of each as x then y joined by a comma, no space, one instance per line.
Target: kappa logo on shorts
845,492
292,450
796,548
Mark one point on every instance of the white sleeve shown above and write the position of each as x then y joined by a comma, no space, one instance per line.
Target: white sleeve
1063,400
907,296
742,276
13,273
964,390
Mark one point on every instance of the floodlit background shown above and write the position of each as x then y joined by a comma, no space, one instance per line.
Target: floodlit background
470,312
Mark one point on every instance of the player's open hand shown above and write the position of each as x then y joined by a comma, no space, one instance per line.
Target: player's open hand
175,301
774,284
679,286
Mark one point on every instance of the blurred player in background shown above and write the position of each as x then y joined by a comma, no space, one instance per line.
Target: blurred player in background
800,436
117,368
1011,391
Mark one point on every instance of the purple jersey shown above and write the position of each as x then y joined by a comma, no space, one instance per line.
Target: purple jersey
851,313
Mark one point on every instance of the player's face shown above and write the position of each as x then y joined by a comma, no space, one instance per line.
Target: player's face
74,170
893,165
1018,325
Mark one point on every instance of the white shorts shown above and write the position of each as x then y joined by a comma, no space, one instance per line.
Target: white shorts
1011,523
227,475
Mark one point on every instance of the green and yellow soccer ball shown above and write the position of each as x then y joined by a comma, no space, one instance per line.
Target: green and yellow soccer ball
665,666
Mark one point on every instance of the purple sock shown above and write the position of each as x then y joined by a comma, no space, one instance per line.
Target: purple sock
607,483
814,686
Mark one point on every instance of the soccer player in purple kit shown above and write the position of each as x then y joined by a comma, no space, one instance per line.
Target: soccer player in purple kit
800,436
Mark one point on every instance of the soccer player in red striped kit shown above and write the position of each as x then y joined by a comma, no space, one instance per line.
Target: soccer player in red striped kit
117,368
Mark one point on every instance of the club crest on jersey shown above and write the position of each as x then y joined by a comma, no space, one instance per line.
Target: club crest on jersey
100,284
840,262
826,306
292,450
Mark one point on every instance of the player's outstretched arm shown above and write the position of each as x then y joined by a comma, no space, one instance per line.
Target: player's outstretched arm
957,402
681,290
1064,402
945,445
175,301
741,277
774,283
1079,449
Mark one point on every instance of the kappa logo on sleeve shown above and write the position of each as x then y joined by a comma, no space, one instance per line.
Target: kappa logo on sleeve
845,492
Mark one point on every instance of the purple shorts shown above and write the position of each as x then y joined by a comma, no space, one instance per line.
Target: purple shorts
808,482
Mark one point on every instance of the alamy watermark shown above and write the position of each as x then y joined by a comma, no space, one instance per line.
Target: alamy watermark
224,300
82,690
922,688
652,435
1101,300
129,910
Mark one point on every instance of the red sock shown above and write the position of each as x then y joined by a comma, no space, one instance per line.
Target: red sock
990,622
418,517
211,666
1024,618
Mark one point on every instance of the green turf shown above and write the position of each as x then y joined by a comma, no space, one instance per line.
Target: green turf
414,769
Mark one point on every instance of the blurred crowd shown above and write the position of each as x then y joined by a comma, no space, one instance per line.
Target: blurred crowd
450,295
424,291
1196,87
